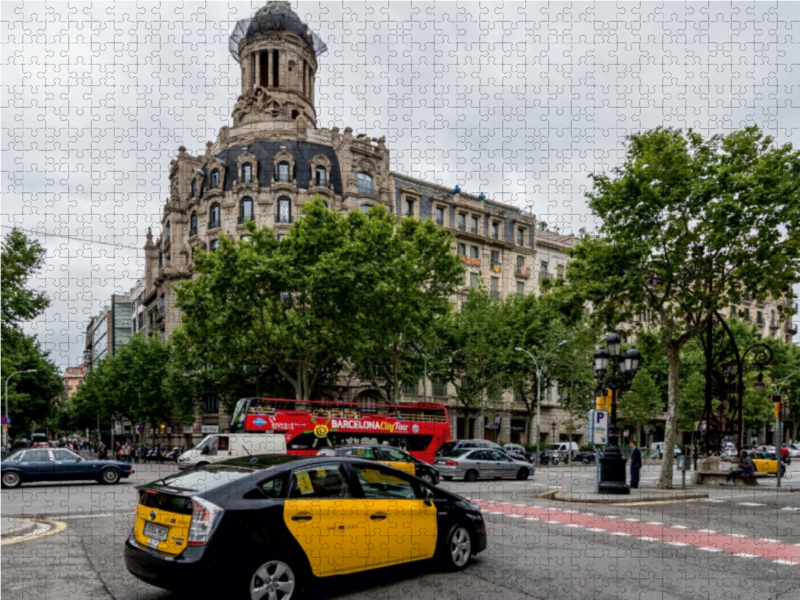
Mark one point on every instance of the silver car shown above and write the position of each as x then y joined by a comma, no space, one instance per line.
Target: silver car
471,464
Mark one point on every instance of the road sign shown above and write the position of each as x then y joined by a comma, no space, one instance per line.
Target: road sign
140,428
3,421
598,427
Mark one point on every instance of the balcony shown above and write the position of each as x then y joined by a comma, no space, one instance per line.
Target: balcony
472,262
791,327
214,224
522,272
545,275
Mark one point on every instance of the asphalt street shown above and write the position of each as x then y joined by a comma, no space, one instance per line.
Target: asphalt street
740,543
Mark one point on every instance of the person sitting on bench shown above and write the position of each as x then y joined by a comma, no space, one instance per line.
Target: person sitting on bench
745,469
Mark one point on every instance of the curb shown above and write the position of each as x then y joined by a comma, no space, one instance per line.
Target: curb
27,527
562,496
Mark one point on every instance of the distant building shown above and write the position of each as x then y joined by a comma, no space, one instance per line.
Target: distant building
72,378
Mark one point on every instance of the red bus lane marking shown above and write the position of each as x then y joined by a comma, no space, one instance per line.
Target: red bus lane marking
739,545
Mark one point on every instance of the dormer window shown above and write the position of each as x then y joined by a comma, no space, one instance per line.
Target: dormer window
192,189
247,173
366,183
193,224
321,179
214,179
283,172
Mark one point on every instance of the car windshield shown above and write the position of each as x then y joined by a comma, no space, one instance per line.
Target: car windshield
201,444
460,452
397,455
555,446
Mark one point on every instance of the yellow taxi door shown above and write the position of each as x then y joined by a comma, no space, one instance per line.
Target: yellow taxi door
398,460
402,526
326,520
406,467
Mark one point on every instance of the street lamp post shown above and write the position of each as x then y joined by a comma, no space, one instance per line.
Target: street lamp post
539,391
8,416
618,378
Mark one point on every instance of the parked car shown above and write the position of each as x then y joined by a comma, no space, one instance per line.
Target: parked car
388,455
765,462
657,450
472,464
271,526
519,452
448,447
58,464
794,450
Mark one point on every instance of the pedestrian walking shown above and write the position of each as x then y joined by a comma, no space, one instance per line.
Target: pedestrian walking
636,465
161,452
746,468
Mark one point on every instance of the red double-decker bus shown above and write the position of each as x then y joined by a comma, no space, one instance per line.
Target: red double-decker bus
310,425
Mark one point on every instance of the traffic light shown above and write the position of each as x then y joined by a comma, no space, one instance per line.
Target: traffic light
163,428
604,402
777,403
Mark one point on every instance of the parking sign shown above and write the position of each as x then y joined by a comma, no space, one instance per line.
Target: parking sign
599,427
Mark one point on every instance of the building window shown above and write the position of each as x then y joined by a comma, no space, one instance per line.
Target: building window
495,230
283,172
462,222
141,320
162,303
543,268
473,252
520,288
495,257
733,310
168,233
213,245
321,177
163,335
473,281
494,287
193,224
462,249
560,271
280,236
245,210
244,238
214,178
364,208
520,237
747,314
772,320
192,189
247,173
438,388
473,226
275,68
409,208
160,259
284,210
439,215
759,317
210,403
365,183
169,259
411,388
214,220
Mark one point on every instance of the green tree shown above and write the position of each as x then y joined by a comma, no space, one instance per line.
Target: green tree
641,404
689,224
22,258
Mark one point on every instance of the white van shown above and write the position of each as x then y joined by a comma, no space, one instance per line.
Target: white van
657,450
222,446
564,448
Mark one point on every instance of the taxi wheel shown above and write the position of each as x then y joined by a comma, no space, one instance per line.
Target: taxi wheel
456,549
471,475
11,479
276,579
109,476
427,478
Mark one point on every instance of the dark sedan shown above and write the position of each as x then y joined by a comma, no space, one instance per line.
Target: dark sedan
270,526
58,464
394,457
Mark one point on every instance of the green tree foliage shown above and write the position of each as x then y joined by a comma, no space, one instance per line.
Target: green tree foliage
689,224
22,258
641,404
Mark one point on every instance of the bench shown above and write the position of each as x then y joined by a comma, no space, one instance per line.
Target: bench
718,478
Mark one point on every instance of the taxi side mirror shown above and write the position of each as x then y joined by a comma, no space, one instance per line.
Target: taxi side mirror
427,495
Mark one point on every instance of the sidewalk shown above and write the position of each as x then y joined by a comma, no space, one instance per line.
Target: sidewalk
15,527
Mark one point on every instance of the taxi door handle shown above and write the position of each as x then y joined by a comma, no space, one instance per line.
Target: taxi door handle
302,517
378,516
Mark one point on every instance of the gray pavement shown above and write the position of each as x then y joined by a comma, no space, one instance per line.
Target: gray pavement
525,559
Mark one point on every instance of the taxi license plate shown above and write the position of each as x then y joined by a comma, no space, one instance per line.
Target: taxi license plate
156,532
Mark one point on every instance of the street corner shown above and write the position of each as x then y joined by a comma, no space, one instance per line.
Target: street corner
14,529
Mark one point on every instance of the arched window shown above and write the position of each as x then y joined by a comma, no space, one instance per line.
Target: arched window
366,184
168,233
772,318
247,173
193,188
284,210
214,216
364,208
321,179
245,210
193,223
213,245
214,178
283,171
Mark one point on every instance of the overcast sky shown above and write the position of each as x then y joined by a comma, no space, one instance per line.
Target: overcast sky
520,101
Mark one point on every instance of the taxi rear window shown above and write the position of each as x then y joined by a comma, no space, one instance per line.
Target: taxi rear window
204,479
261,461
166,502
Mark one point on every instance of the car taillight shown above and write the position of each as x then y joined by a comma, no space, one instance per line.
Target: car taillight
452,463
205,517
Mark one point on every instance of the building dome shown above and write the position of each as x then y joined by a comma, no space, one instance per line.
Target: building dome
276,17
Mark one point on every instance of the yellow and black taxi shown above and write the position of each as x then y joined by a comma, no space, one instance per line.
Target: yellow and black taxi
388,455
766,462
270,526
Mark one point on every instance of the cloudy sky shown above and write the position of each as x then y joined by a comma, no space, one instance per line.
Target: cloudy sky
520,101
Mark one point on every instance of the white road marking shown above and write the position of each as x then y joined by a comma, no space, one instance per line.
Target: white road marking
749,504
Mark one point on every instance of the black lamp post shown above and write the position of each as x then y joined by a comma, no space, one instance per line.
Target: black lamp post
615,372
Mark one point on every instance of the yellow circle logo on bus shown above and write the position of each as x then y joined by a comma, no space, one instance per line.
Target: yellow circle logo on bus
321,430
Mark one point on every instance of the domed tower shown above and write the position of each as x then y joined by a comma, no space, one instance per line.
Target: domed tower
278,56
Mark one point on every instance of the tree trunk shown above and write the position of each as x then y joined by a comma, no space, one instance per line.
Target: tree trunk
665,477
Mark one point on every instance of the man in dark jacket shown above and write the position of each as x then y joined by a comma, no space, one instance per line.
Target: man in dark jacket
746,468
636,465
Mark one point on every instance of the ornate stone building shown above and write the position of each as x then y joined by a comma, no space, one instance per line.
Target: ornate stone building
274,157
